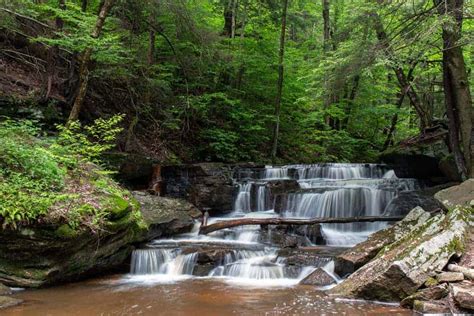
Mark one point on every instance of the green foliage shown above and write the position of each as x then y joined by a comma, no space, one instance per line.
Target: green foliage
55,180
206,96
76,143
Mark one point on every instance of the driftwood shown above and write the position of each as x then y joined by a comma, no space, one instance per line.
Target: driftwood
468,273
206,229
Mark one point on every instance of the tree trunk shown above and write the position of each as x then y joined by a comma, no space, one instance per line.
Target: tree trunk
425,120
458,99
85,59
84,5
206,229
281,56
234,17
394,121
228,18
326,26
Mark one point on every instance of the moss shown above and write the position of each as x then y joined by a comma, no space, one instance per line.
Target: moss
117,207
431,282
65,231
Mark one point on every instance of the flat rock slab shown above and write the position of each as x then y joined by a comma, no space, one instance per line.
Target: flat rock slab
462,194
463,294
450,277
354,258
6,301
403,266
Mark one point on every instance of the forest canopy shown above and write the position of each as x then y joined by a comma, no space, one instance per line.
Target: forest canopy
235,80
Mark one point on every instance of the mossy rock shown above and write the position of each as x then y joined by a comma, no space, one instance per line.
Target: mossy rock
65,231
402,267
118,207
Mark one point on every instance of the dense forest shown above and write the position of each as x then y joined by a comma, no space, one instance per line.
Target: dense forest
185,156
230,80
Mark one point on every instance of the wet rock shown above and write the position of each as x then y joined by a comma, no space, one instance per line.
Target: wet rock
301,258
450,277
463,294
318,277
203,269
207,185
354,258
428,294
7,301
462,194
277,187
401,267
282,238
406,201
4,290
165,216
431,307
312,232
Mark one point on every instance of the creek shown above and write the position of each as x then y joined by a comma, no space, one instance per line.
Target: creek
251,269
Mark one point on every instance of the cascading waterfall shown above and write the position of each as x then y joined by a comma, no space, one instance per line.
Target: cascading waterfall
162,261
326,190
250,265
243,201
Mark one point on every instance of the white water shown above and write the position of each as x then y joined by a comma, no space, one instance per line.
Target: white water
328,190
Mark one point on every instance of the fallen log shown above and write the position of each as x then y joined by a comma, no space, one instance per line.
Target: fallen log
468,273
206,229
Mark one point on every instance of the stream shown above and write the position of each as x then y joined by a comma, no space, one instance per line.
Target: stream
246,270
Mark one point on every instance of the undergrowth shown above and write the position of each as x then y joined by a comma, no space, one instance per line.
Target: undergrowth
57,179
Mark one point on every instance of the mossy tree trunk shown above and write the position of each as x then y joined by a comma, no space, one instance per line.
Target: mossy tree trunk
458,99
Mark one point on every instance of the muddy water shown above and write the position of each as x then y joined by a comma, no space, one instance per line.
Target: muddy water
119,296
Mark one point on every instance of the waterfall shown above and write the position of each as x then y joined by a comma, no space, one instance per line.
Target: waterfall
339,171
275,173
243,200
252,256
343,202
262,198
162,261
250,265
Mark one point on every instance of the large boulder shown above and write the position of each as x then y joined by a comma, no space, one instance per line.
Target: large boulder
406,201
354,258
403,266
47,253
462,194
165,216
422,157
207,185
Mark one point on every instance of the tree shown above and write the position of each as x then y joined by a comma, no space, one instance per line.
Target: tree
458,99
425,120
281,55
86,56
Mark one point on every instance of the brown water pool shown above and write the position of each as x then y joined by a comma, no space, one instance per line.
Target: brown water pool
114,296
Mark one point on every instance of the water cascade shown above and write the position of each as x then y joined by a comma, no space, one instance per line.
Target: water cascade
253,254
